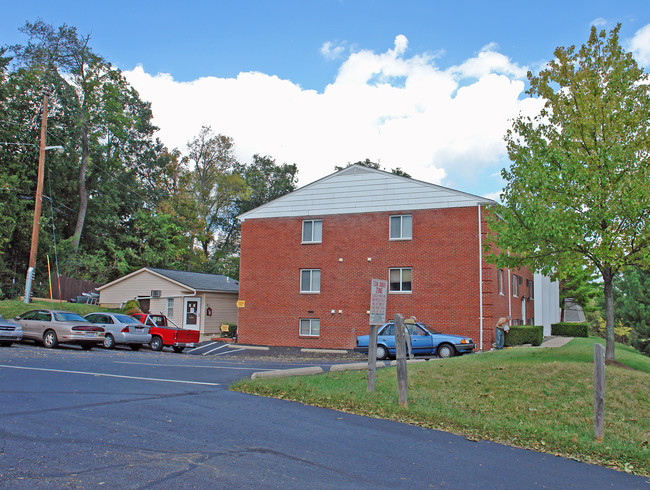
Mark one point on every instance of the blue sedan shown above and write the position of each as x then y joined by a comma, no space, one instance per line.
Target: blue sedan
424,341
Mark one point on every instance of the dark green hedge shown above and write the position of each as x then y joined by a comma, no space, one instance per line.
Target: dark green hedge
232,330
570,329
524,334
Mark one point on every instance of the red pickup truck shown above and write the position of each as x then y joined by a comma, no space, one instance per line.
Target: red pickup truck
163,333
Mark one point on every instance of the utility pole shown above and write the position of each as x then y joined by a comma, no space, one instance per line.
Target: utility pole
37,204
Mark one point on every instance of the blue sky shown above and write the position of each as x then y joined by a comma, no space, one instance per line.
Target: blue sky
428,86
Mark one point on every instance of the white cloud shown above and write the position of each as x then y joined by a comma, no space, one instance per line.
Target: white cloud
401,111
599,22
640,45
331,51
489,61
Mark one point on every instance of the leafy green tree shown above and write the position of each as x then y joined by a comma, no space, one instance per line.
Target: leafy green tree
632,302
213,183
370,164
577,191
582,288
111,124
266,181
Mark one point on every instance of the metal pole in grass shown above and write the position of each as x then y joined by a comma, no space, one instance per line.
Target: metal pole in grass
599,392
400,356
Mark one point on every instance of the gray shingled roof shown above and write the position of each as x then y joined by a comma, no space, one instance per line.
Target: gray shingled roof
200,281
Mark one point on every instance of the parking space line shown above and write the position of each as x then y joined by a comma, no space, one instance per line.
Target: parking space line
192,366
212,350
232,351
110,375
200,347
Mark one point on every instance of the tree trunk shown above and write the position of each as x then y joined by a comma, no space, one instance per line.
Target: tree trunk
83,192
609,313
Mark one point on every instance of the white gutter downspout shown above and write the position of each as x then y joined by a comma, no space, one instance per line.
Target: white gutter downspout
480,280
509,293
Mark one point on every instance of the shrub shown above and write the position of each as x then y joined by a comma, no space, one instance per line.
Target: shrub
232,331
565,329
131,306
524,334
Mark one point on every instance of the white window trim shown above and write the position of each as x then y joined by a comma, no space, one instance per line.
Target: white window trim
400,239
310,282
400,280
500,282
312,221
168,314
311,320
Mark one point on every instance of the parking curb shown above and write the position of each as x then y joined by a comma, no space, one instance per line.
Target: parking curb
324,351
283,373
409,361
357,366
251,347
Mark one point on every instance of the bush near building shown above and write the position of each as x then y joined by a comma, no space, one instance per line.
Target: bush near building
524,334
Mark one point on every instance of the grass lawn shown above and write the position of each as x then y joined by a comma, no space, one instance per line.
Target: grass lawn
541,399
13,308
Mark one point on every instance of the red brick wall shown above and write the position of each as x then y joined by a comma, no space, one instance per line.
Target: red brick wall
443,255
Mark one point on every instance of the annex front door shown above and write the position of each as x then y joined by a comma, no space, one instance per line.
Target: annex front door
192,314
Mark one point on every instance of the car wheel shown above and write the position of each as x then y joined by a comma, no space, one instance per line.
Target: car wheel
178,349
382,352
156,343
109,342
135,346
50,339
446,350
87,346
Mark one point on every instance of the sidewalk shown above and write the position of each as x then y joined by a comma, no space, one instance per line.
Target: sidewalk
554,341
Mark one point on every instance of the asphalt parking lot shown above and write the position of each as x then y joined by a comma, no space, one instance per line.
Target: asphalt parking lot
84,419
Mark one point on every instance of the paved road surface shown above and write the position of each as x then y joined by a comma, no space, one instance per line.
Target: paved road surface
123,419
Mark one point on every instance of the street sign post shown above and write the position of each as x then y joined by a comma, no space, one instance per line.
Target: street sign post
378,294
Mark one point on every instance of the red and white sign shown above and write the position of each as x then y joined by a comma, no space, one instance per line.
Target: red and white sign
378,295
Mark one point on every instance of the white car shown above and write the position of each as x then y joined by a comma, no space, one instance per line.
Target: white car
120,329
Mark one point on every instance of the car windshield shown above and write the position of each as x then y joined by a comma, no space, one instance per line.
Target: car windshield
64,316
125,319
412,328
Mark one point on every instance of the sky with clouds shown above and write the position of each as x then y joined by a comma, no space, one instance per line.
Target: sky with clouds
430,87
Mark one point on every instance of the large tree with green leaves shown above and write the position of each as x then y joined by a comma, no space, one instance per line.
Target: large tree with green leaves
578,187
111,124
213,183
632,302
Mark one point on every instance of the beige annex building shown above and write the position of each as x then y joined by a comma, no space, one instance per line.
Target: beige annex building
191,300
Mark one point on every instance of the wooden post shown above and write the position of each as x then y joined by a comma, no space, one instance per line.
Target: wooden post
400,347
372,358
599,392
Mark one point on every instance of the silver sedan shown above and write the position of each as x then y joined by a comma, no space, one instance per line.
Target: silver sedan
121,329
10,332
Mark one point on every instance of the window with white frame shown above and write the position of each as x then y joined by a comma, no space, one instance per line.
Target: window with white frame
170,307
399,280
500,281
309,327
515,285
401,227
310,281
312,231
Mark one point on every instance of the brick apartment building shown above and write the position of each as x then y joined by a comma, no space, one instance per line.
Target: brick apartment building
307,260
